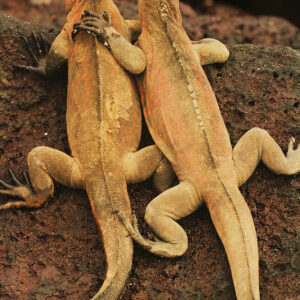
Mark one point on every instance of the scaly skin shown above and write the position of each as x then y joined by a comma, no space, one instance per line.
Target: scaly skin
184,120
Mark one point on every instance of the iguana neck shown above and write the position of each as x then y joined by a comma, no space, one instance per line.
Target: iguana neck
150,11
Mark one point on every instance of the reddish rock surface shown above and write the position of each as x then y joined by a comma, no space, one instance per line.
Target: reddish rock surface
249,29
226,23
55,252
51,15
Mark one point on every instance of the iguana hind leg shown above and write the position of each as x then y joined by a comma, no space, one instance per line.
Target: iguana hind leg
142,164
44,164
164,176
161,215
258,145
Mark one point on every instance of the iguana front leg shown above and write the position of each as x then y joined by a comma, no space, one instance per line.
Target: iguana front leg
48,62
129,56
210,51
258,145
44,164
40,58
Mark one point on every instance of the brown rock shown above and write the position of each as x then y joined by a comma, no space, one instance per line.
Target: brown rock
260,30
258,86
228,24
48,13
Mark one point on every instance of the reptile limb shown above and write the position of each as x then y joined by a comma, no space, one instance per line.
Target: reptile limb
131,57
40,57
99,25
142,164
44,163
161,215
164,176
258,145
210,51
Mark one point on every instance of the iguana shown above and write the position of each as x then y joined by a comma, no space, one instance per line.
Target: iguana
104,129
185,122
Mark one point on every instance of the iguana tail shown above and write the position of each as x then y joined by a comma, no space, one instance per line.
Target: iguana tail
233,222
116,242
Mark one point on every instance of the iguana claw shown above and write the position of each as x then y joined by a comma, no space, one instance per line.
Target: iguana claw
40,59
133,230
23,191
93,23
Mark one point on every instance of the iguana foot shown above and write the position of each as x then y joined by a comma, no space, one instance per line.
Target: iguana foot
136,228
93,23
23,191
133,230
40,59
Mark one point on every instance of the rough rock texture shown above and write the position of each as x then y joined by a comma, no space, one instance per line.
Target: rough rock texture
288,9
249,29
55,252
51,15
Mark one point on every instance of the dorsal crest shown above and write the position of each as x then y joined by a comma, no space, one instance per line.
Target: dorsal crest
169,10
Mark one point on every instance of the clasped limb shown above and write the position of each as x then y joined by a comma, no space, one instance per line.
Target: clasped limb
93,23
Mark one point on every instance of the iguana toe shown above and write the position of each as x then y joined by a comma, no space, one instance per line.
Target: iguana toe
20,190
133,230
39,55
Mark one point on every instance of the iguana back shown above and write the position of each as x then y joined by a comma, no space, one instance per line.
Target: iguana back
185,122
103,123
